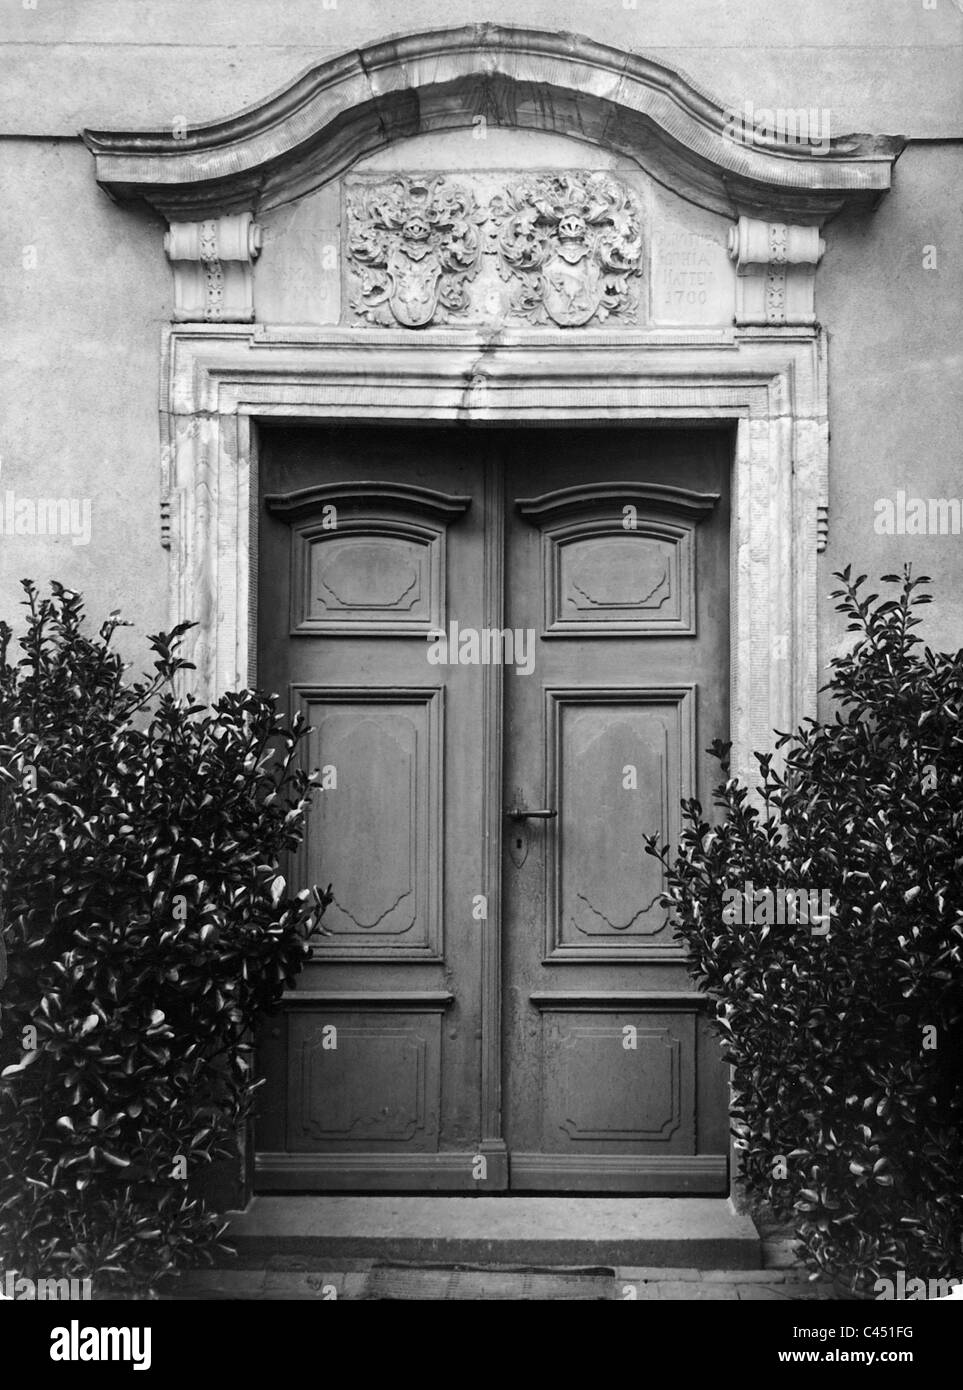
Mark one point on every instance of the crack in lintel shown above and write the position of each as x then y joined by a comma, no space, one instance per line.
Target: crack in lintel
475,378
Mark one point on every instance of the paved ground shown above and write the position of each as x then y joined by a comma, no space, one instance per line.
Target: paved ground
288,1278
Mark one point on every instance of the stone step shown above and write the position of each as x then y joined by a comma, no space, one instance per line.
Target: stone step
667,1232
294,1278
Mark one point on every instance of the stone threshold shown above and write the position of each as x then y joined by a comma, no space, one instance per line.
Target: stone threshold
698,1233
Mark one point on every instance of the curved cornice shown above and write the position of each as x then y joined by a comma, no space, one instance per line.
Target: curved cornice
442,506
610,498
360,102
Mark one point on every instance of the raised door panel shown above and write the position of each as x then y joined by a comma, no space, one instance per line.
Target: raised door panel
617,1097
366,581
618,1081
367,557
364,1080
612,581
375,829
618,558
618,762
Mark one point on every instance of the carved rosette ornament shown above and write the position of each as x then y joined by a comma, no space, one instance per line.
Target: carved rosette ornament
413,247
575,244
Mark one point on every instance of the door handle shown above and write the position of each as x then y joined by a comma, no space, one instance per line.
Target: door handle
519,813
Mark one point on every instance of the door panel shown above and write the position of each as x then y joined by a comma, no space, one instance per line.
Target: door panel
601,894
604,553
621,569
378,1088
369,540
385,747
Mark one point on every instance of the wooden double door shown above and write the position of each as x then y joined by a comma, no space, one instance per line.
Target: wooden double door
512,649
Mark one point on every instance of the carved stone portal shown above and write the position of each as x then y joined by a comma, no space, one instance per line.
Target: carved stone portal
574,242
413,245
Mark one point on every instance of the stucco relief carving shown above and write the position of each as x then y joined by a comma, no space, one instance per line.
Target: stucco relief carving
574,245
413,246
432,250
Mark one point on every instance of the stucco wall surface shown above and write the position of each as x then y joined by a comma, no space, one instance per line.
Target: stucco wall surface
890,296
84,294
889,65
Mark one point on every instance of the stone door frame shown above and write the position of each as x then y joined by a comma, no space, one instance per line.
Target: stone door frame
769,383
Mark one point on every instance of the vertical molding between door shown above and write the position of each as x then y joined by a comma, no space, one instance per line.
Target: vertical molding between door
493,1145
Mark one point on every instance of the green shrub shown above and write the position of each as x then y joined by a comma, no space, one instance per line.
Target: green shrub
146,929
846,1046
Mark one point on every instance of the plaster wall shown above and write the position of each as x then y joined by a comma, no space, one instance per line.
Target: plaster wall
896,384
84,294
884,65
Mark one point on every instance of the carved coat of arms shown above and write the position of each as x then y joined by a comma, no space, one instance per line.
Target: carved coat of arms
413,245
575,244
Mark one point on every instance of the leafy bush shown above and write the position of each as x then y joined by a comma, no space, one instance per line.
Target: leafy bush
146,928
846,1046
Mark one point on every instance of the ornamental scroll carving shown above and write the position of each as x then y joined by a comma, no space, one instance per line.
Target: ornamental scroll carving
212,261
413,245
776,272
433,250
574,245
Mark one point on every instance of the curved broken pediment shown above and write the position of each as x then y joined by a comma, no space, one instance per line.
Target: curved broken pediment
358,103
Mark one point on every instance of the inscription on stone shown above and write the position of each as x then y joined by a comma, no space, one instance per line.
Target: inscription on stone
686,276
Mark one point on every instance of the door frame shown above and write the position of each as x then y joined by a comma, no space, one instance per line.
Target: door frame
769,383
